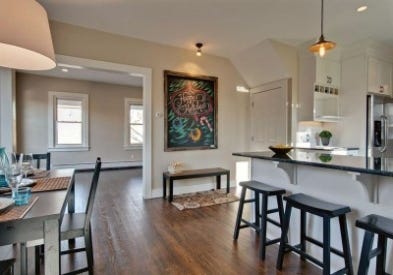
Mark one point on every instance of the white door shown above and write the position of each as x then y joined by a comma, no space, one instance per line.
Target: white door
269,116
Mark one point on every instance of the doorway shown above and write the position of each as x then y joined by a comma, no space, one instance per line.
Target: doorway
270,115
103,71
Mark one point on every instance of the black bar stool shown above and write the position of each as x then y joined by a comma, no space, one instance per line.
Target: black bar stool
266,191
374,224
326,210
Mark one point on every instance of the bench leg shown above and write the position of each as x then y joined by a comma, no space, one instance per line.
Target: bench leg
170,190
218,182
228,180
164,187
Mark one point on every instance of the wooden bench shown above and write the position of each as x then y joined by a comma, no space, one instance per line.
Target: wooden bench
191,174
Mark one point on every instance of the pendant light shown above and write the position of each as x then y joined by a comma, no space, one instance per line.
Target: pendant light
25,38
322,45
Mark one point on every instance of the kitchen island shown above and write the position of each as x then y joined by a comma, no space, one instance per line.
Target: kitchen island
364,184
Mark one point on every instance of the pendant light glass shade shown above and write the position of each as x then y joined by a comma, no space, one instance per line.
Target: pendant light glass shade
25,38
322,45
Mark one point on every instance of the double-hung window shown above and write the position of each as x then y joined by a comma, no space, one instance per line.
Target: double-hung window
68,121
133,137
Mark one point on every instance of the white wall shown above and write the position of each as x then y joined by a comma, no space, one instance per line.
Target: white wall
106,119
232,106
7,110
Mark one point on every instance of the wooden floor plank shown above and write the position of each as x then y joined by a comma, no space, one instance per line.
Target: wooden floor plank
136,236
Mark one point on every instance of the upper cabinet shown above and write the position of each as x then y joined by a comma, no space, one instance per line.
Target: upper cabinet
319,86
328,72
379,76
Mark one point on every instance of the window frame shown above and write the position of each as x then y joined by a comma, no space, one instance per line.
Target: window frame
52,121
127,128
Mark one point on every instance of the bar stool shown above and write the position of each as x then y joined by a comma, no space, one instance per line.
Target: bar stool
265,190
326,210
374,224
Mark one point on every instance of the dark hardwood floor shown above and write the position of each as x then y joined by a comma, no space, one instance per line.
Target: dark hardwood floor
136,236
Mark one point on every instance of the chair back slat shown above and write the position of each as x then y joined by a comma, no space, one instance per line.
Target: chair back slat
92,193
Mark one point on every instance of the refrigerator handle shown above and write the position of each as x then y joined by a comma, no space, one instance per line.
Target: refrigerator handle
385,133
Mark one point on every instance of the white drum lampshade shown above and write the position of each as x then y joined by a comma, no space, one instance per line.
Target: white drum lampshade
25,38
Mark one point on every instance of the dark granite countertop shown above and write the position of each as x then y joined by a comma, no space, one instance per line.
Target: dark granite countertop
361,164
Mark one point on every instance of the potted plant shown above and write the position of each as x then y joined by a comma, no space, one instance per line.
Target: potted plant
325,136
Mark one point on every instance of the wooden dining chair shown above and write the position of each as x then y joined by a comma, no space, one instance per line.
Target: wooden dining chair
75,225
7,266
38,158
7,259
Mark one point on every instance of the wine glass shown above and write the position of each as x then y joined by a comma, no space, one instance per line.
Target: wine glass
27,163
13,175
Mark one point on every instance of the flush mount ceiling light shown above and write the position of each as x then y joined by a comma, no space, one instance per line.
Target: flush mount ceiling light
199,48
322,45
25,39
362,8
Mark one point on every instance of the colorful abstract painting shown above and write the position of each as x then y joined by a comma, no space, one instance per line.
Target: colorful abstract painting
190,111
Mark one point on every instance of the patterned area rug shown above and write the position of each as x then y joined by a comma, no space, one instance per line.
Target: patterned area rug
202,199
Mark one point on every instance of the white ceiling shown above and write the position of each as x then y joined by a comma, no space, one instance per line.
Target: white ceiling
229,26
96,75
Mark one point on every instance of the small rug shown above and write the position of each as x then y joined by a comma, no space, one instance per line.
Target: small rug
202,199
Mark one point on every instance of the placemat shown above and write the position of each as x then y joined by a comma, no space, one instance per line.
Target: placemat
16,212
50,184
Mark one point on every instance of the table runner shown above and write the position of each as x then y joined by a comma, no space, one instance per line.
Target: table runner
50,184
16,212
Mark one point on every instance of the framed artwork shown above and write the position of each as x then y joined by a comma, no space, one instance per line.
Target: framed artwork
190,111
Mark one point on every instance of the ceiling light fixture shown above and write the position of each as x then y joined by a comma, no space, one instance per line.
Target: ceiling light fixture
199,49
242,89
64,70
322,45
25,38
362,8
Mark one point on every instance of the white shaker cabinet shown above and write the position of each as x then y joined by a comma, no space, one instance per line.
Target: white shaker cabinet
379,76
328,72
319,83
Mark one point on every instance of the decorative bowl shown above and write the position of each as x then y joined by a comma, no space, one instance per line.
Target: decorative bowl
281,150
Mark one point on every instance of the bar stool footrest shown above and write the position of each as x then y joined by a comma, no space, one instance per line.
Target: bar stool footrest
273,222
270,211
375,252
341,271
269,242
318,243
296,248
249,224
249,201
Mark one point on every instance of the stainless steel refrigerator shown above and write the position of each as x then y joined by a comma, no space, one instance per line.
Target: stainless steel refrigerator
379,139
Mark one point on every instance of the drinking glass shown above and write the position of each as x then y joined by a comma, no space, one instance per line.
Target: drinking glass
13,175
27,163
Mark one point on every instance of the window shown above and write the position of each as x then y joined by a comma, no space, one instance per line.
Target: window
68,121
133,137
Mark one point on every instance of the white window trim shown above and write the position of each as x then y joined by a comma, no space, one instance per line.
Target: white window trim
52,146
127,103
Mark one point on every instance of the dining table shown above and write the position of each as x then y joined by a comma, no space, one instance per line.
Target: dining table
42,220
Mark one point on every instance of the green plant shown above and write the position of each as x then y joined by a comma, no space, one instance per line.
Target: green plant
325,157
325,134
